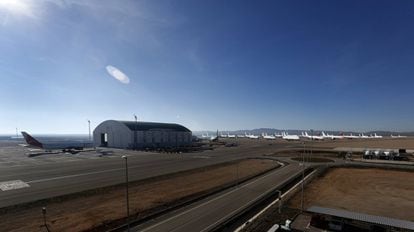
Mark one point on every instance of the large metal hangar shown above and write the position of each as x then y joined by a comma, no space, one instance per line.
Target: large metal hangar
139,135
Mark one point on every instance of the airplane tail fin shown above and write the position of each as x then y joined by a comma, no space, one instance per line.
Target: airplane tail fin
31,141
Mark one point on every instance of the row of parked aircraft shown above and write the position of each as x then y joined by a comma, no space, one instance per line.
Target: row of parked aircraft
286,136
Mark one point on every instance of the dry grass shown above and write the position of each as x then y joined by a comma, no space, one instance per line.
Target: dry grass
84,213
373,191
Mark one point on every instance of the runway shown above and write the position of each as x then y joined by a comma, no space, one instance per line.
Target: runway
210,212
60,176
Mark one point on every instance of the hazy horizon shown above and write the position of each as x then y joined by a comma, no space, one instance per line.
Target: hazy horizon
212,131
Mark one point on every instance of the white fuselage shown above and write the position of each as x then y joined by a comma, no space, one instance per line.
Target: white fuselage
375,136
328,136
270,137
312,137
398,136
351,136
285,136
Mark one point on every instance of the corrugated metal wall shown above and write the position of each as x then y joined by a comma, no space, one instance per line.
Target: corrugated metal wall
120,136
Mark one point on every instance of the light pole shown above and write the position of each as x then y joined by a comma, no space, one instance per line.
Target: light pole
303,177
89,126
237,174
135,132
127,190
311,155
44,218
279,200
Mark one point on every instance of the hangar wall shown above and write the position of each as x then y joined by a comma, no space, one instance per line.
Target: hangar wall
121,134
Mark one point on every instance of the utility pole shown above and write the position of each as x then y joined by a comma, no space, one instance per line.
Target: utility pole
89,126
135,132
44,219
279,201
303,177
311,155
237,172
127,187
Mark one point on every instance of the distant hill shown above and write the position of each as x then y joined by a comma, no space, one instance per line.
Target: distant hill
269,131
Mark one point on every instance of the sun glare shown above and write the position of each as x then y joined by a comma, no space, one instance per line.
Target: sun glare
20,7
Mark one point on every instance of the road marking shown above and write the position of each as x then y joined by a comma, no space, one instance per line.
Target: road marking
80,174
201,157
211,200
12,185
75,175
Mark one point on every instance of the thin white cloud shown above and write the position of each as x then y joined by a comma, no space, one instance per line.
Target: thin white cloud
17,8
117,74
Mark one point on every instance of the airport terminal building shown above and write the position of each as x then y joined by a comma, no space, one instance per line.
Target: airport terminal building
140,135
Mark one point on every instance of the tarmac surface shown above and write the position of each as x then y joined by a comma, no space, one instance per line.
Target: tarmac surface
27,179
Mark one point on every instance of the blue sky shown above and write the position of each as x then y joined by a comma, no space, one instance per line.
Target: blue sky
331,65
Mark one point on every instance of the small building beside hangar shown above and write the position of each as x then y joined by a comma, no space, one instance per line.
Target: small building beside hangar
139,135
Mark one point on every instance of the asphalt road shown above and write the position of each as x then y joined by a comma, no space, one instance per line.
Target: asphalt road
55,177
210,212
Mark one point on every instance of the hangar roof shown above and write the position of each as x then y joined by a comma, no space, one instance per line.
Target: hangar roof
145,126
363,217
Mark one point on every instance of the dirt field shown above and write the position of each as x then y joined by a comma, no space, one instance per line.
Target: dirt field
314,160
380,192
386,143
83,213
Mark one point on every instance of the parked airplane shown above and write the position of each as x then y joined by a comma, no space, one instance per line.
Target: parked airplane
265,136
223,135
204,136
253,136
278,135
351,136
72,146
213,138
230,136
285,136
375,136
333,137
209,137
362,136
250,136
314,137
240,136
398,136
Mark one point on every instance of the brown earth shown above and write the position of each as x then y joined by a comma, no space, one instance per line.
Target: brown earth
386,143
314,159
381,192
86,212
